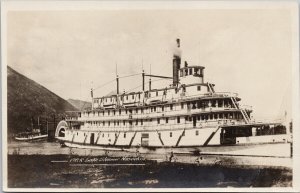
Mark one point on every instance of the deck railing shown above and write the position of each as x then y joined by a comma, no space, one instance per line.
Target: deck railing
168,126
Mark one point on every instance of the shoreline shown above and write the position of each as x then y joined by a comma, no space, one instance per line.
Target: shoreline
26,171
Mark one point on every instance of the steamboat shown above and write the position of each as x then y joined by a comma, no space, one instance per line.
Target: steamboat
187,117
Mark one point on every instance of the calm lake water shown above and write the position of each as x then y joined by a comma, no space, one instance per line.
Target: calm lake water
47,165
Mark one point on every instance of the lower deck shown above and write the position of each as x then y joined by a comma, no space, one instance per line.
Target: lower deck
214,139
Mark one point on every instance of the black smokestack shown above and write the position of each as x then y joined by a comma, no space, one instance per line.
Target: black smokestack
176,63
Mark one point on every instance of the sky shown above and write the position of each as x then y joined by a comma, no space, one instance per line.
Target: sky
246,51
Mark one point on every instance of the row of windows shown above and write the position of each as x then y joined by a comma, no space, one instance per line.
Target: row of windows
159,134
189,105
191,71
147,94
212,116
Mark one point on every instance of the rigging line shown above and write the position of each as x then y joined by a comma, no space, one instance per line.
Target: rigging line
104,84
146,83
114,80
160,80
133,89
130,75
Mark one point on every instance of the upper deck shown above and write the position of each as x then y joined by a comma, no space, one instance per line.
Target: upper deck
188,89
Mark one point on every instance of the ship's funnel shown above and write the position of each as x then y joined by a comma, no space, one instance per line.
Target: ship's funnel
176,63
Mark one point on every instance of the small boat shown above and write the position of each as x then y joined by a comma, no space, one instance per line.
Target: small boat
29,136
33,134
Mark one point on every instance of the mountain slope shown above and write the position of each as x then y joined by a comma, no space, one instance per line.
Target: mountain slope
79,104
27,99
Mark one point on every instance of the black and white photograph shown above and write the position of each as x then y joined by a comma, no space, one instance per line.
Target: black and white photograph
152,96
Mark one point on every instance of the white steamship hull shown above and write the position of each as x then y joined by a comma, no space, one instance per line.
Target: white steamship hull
267,150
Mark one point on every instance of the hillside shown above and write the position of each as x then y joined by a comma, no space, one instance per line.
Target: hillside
28,100
79,104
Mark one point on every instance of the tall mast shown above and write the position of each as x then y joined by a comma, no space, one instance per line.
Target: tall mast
150,79
143,75
92,95
117,84
38,122
117,79
31,123
47,126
